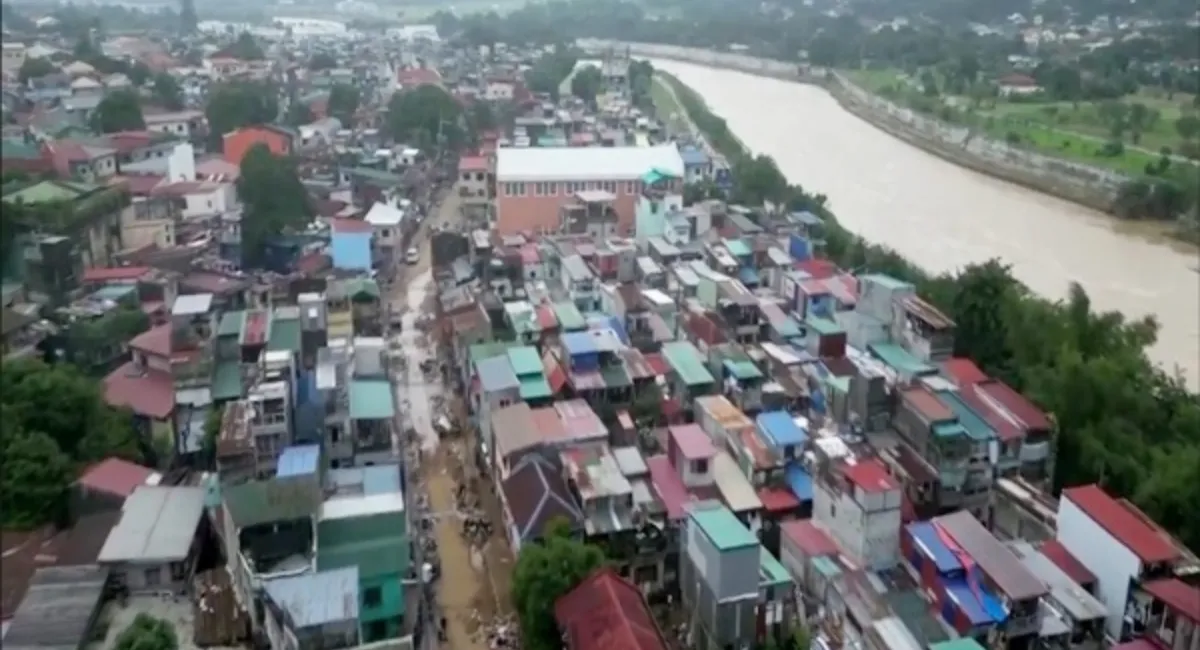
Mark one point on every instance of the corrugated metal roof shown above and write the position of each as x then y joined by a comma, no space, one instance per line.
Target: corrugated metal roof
997,561
157,523
317,598
298,460
1126,527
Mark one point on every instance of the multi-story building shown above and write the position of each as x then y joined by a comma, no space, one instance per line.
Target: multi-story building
935,433
1129,555
736,593
88,215
859,504
1080,612
533,184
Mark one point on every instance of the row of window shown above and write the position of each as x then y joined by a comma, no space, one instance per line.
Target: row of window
567,188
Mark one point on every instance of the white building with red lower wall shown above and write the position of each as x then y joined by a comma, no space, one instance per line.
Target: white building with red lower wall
532,184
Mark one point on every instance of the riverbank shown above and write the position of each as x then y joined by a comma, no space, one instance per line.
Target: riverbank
1083,184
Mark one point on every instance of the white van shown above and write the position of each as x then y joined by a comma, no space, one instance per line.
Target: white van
412,256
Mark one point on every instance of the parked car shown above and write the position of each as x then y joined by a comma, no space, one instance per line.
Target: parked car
412,256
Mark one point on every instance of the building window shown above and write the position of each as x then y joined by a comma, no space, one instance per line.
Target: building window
372,597
552,189
700,466
153,577
539,189
479,177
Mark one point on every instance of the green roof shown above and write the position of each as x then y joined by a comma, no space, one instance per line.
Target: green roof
285,335
534,387
976,426
231,323
261,502
965,643
685,360
723,528
824,326
484,351
376,543
615,376
737,247
227,380
770,570
949,430
525,361
743,369
656,175
569,316
51,191
362,287
371,399
900,359
17,148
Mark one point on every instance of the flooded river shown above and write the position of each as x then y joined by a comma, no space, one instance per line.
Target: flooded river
943,216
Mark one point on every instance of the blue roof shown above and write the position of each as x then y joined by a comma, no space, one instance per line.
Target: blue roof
980,606
618,328
351,250
693,156
800,482
748,276
579,343
318,598
299,460
780,429
926,540
496,374
373,480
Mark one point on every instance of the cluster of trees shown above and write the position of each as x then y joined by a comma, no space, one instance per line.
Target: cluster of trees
55,423
234,105
275,202
1120,420
427,117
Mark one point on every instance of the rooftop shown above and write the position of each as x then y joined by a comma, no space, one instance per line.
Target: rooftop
117,477
58,609
1128,527
607,612
720,525
157,523
585,163
319,598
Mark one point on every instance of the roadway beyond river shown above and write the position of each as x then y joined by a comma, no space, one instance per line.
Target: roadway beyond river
944,217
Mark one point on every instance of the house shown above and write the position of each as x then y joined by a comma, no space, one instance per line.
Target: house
151,217
1079,611
1118,544
533,495
187,124
409,78
13,57
143,150
607,612
859,504
154,547
92,223
473,178
288,612
86,87
1018,84
533,184
733,590
24,154
351,244
87,162
105,486
499,89
387,237
279,140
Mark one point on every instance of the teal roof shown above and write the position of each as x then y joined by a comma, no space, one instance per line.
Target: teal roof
743,369
685,360
371,399
231,323
484,351
886,281
949,430
227,380
965,643
823,326
771,572
534,387
569,316
737,247
900,359
976,426
656,175
723,528
525,361
285,335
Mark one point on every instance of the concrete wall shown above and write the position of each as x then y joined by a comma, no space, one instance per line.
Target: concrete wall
1091,186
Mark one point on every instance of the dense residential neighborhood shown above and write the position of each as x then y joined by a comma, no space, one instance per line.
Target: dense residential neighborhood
323,338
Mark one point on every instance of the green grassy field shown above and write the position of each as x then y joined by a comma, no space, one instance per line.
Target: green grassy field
665,106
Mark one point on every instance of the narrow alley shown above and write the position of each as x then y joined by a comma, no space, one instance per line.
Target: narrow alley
467,544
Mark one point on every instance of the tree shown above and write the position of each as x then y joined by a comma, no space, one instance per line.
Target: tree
118,111
322,61
275,201
587,83
239,104
139,73
1187,126
246,48
147,633
35,68
33,486
425,115
343,103
298,113
551,70
188,21
545,571
167,92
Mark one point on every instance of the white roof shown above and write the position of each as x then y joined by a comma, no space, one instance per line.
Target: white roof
192,304
85,82
349,507
585,163
157,524
734,487
382,214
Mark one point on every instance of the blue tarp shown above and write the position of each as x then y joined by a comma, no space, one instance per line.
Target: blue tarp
618,328
780,429
979,606
925,538
800,482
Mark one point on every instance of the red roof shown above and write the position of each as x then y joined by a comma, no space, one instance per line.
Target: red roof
1062,558
545,317
155,341
668,485
657,364
606,612
141,184
1178,595
777,499
818,268
114,273
555,375
808,538
692,442
1028,416
149,393
1006,429
418,77
964,372
115,476
341,226
871,476
473,164
1124,525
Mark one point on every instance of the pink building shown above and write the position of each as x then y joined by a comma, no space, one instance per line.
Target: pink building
533,184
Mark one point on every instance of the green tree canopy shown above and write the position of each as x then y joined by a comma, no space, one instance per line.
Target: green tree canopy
322,61
424,114
147,633
118,111
551,70
34,68
246,48
545,571
587,83
298,113
343,103
232,106
167,91
33,485
275,201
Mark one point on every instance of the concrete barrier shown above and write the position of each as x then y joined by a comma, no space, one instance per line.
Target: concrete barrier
1088,185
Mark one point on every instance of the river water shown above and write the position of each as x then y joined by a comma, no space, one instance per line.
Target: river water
943,216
